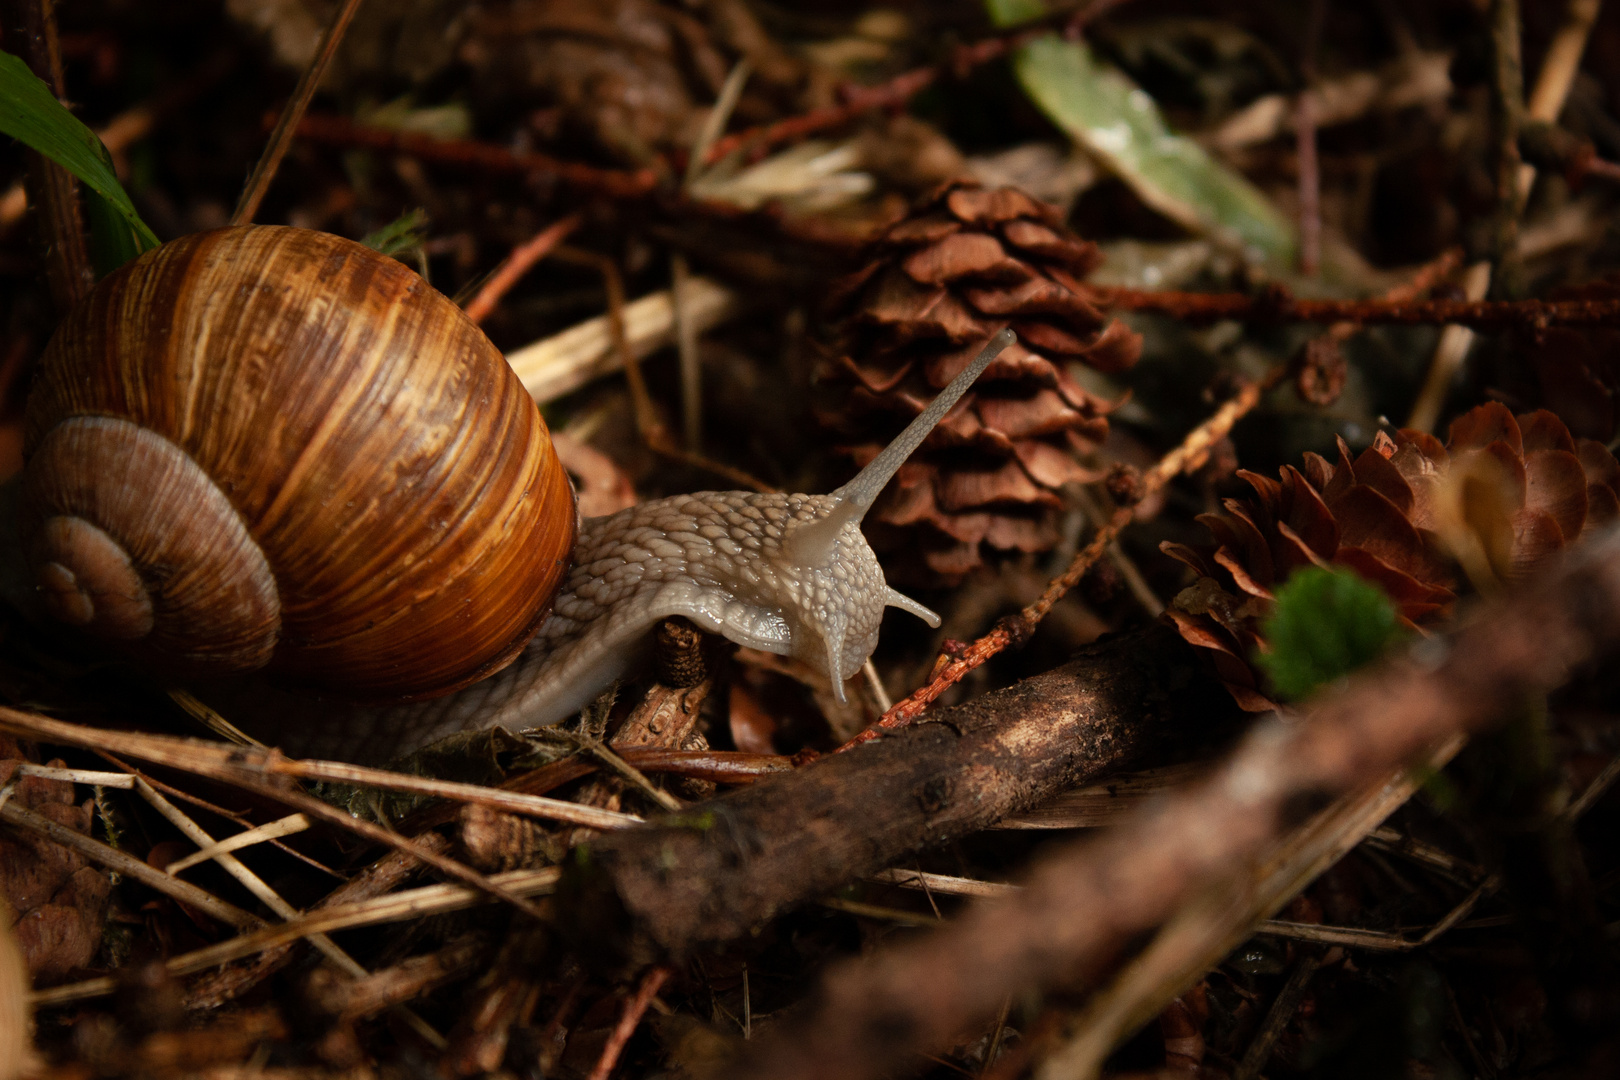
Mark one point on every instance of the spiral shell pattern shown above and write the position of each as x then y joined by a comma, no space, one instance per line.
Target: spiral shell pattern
360,434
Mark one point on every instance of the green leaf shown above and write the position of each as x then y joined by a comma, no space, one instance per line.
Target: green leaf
30,113
1006,13
1327,624
402,234
1114,119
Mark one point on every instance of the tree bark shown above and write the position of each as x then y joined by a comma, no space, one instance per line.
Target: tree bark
713,873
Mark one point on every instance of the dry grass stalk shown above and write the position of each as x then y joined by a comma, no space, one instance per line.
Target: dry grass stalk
245,768
235,763
113,859
395,907
287,826
1210,926
564,362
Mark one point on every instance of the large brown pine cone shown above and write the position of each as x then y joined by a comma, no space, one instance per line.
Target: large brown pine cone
966,263
1406,514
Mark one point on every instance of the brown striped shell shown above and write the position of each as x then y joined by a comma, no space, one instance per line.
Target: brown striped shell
266,445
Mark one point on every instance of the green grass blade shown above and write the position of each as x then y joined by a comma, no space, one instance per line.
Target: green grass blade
30,113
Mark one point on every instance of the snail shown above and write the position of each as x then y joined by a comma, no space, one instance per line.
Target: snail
266,447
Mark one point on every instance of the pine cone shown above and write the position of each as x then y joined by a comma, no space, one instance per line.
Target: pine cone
964,264
1406,514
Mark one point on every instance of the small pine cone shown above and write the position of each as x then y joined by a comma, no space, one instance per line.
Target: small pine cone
1501,496
966,263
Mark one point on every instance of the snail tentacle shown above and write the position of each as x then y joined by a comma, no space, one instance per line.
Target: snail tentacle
788,574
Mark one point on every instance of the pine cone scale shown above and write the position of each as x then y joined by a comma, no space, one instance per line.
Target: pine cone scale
1500,497
965,264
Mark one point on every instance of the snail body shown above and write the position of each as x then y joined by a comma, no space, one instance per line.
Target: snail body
263,447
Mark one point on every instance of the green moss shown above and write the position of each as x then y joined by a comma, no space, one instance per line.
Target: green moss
1327,624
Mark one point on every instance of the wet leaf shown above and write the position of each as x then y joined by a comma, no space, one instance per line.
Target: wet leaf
1120,124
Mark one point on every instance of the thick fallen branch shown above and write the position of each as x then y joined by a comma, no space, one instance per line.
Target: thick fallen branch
1081,908
723,867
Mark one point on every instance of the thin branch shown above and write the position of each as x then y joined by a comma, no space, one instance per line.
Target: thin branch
634,1010
30,32
1282,1010
1193,451
116,860
1310,177
287,126
1280,307
1507,114
518,263
287,826
470,154
1082,906
395,907
235,764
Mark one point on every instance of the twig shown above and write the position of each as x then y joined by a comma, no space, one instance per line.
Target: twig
116,860
241,819
281,138
518,263
878,911
287,826
566,361
686,347
395,907
1279,307
1087,903
386,873
1210,926
753,853
257,886
77,776
894,94
715,123
30,32
250,770
1449,354
1134,581
1194,449
1381,940
469,154
1310,178
617,322
1282,1010
692,305
1593,791
629,772
315,808
1507,113
686,334
1552,87
941,883
238,764
629,1019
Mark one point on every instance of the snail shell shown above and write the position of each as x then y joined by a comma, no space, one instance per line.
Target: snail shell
269,446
